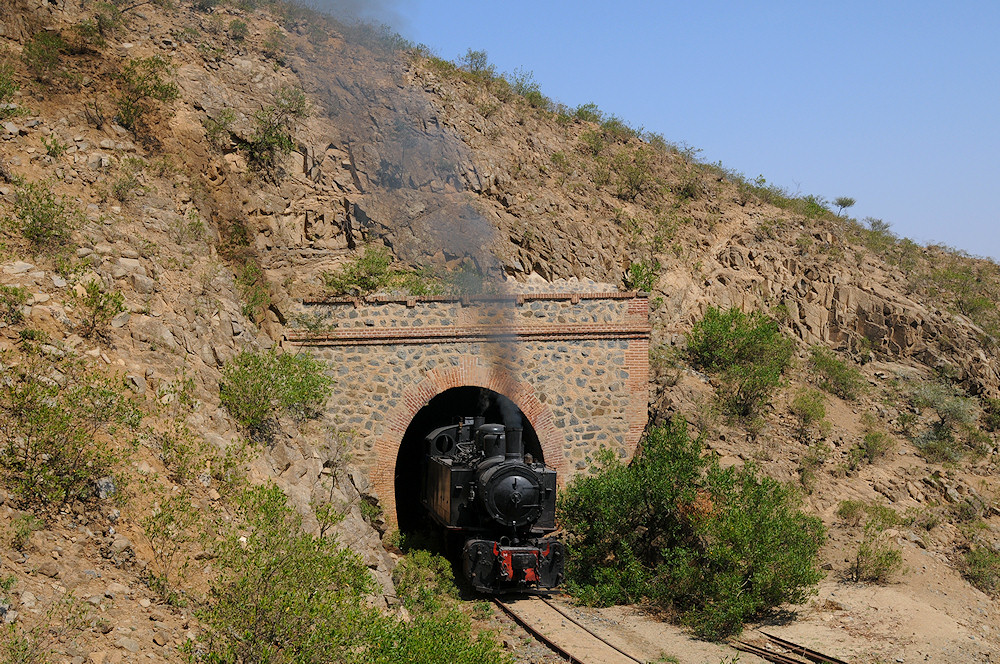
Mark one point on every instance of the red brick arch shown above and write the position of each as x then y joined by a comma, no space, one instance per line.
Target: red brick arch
469,373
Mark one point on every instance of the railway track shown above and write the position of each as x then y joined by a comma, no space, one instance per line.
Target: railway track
562,633
578,644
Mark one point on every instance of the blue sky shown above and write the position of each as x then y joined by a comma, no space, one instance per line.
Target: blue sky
896,104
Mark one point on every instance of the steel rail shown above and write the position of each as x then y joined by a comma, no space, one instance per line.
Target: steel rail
811,655
769,655
537,633
586,629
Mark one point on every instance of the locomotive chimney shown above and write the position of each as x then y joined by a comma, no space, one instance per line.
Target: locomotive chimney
515,446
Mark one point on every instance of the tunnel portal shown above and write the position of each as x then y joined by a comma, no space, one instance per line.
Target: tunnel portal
575,365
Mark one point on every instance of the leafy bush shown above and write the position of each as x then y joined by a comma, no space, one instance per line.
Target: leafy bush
836,376
238,30
373,271
877,558
53,146
217,128
272,130
717,546
44,219
991,414
98,308
258,386
143,83
54,420
287,596
634,173
22,526
283,595
253,289
748,352
809,410
42,55
954,433
815,456
8,87
477,63
169,528
982,568
642,275
12,300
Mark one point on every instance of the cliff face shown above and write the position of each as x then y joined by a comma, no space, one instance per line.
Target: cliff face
211,234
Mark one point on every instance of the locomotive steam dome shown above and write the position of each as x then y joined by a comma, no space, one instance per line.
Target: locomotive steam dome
511,494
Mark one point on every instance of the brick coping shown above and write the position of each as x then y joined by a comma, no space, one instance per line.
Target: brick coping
464,300
353,336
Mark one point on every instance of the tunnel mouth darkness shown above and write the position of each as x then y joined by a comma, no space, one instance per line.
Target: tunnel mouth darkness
443,410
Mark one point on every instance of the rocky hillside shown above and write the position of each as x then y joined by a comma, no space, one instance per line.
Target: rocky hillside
176,177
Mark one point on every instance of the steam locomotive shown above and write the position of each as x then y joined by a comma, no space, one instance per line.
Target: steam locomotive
480,485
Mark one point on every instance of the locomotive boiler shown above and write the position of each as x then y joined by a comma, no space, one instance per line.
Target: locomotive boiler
480,485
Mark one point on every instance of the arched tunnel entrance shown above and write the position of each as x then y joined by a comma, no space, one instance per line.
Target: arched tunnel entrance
445,409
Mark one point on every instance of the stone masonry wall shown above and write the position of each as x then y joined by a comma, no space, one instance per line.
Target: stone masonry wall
577,365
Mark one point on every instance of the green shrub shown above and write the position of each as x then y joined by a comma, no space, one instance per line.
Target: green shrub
275,44
836,377
747,351
593,143
288,596
272,130
478,64
42,55
982,568
991,414
877,558
238,30
12,301
634,173
8,88
22,526
588,113
373,271
257,387
809,411
53,146
143,82
954,434
716,546
217,129
642,275
44,219
282,595
253,289
53,434
169,528
98,308
815,456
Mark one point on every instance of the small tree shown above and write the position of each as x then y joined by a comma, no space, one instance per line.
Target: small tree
843,202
